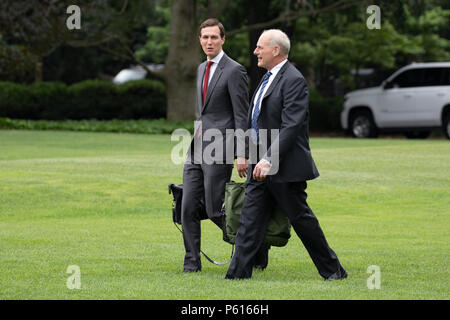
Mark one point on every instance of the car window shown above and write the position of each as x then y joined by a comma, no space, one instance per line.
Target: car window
409,78
446,77
433,76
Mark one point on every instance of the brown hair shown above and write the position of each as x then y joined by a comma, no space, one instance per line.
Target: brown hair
211,22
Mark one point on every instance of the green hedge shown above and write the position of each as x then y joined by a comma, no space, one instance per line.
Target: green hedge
140,99
148,126
325,113
91,99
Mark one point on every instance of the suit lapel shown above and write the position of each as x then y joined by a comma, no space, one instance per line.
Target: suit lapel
275,81
268,92
212,84
216,76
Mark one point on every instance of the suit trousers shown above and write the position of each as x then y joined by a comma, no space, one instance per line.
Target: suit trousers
203,184
260,197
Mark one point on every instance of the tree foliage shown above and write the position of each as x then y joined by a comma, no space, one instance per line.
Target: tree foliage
38,27
330,39
336,45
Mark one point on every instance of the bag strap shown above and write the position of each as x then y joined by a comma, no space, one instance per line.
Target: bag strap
208,258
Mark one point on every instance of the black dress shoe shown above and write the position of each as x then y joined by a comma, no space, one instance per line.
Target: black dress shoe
338,275
191,270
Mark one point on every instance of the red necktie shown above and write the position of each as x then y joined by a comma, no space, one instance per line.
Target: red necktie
205,80
205,89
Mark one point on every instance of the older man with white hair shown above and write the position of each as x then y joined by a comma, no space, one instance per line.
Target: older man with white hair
280,102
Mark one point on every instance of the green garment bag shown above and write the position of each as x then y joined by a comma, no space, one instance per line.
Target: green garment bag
278,229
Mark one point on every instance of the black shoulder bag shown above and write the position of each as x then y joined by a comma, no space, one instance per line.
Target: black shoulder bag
177,192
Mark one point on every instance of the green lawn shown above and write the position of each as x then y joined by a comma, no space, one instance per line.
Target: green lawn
100,201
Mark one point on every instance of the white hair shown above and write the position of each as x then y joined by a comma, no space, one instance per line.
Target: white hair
278,38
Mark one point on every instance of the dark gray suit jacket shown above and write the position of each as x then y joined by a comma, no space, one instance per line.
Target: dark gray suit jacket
285,107
226,103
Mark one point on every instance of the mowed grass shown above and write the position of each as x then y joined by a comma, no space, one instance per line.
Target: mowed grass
100,201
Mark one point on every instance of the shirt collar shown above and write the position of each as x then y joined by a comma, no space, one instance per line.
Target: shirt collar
217,58
277,68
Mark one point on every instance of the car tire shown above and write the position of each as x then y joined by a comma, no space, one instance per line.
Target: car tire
362,125
417,134
446,126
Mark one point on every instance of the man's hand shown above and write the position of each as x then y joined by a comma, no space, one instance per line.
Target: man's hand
261,170
242,166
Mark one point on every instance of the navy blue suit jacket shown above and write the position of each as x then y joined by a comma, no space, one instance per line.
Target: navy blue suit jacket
285,107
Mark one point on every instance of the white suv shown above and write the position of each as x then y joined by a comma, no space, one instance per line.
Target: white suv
414,100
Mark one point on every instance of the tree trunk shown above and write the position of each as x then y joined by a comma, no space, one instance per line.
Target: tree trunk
38,70
182,61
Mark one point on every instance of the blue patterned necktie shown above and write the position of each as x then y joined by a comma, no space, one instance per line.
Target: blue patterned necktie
255,131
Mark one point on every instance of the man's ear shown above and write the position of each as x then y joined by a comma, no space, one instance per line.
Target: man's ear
276,51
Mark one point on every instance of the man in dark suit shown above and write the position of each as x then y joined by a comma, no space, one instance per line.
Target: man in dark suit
283,165
222,96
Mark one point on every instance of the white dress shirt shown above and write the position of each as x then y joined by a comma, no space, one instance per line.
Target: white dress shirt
274,72
216,61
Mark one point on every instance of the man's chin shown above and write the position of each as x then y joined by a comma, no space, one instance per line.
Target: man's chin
211,54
